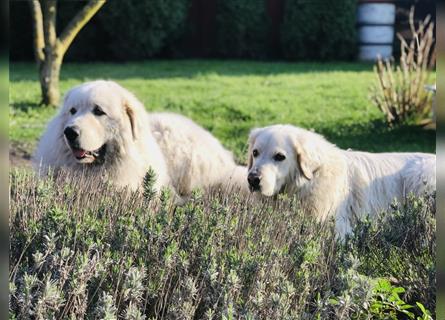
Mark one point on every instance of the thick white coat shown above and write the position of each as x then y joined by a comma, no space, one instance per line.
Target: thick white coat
183,155
331,181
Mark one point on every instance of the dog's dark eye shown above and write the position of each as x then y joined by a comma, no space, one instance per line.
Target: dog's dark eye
255,153
98,111
73,110
279,157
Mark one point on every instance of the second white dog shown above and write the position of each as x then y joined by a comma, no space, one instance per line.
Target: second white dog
330,181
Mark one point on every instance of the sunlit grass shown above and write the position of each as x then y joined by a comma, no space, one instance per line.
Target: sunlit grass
231,97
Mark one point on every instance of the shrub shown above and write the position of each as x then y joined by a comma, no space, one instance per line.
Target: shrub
399,91
401,245
242,29
80,249
319,30
141,29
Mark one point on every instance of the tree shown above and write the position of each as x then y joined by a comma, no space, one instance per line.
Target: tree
49,49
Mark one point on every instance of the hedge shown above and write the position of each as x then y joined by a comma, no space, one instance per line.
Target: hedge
319,30
138,30
141,29
242,29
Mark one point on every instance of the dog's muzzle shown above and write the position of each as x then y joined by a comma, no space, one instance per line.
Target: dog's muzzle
83,156
254,181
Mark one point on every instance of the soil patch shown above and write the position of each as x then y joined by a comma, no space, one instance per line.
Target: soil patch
19,156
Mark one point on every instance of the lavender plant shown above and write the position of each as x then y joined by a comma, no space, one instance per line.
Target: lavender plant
80,249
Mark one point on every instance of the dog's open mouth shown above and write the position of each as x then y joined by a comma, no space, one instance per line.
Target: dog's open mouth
85,156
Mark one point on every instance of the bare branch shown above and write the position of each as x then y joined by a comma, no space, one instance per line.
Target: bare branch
77,23
37,20
49,22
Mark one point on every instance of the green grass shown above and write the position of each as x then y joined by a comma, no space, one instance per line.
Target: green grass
231,97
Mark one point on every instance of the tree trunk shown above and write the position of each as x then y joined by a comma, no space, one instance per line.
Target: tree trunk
49,79
49,68
49,50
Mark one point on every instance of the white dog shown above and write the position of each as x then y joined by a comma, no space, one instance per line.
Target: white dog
330,181
104,130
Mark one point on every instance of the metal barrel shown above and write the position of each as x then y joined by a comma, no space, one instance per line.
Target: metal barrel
375,26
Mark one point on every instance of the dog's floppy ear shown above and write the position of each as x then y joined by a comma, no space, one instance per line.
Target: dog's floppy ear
252,137
132,107
132,117
306,164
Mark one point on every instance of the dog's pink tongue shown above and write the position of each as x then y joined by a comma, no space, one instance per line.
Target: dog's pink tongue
79,153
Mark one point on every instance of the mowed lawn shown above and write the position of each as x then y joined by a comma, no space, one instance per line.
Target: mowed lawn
231,97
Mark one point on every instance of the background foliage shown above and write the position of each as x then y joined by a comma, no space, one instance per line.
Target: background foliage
141,29
242,29
320,30
136,30
121,30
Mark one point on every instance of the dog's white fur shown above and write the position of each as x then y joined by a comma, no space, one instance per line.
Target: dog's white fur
194,157
330,181
183,155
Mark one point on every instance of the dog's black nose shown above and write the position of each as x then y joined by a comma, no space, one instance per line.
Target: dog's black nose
254,181
71,133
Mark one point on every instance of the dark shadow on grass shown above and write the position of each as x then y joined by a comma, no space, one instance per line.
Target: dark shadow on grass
376,136
24,106
164,69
